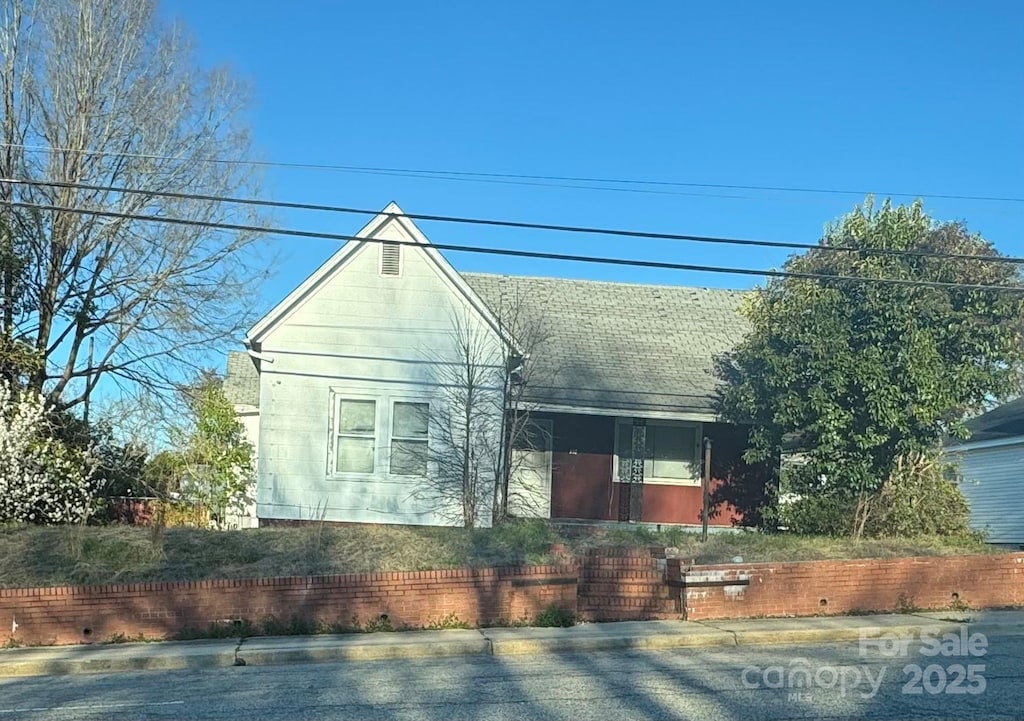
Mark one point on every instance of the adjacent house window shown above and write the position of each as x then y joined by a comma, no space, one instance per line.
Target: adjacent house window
672,454
390,258
409,438
355,440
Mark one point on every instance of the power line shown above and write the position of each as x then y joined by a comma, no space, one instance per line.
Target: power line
538,255
522,225
414,172
494,176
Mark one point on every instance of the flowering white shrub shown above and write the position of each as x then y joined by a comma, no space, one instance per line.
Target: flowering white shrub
42,480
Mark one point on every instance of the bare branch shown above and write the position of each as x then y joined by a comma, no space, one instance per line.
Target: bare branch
484,427
119,100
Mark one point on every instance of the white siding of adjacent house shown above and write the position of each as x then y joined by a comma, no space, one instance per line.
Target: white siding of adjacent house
249,417
358,334
994,488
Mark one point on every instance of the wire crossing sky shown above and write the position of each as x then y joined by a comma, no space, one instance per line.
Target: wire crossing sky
517,253
617,232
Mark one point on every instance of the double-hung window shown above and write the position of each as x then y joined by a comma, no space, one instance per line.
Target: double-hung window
378,436
409,438
355,435
671,455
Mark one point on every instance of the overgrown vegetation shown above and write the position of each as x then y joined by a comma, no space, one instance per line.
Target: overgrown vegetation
554,617
865,379
294,626
447,621
50,556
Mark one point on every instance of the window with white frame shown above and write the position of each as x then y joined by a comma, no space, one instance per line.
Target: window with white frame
410,445
355,435
671,456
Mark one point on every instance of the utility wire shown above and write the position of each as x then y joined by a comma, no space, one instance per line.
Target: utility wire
629,262
478,175
616,232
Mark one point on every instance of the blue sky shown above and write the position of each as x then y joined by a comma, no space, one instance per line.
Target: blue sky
914,96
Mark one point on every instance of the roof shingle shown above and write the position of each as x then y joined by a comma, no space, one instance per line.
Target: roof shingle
622,346
241,382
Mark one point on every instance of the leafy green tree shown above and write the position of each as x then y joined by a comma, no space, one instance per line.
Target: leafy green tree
217,462
868,377
162,475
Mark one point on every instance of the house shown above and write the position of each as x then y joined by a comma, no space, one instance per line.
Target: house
992,464
242,387
347,388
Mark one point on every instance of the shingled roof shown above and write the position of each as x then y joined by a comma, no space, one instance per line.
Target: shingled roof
241,382
1000,423
619,346
622,346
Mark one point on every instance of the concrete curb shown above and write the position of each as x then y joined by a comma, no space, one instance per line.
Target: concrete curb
997,629
355,652
834,635
653,635
60,667
1001,623
565,645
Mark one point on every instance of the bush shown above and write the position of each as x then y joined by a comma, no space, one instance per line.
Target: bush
815,515
42,480
921,497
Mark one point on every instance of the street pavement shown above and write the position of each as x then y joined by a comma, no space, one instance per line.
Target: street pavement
886,667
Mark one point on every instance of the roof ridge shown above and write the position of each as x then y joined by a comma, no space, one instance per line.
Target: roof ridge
737,291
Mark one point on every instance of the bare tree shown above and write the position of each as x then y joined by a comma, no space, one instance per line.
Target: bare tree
524,368
465,424
483,416
100,93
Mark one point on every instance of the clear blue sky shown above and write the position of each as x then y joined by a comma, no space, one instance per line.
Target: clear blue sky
915,96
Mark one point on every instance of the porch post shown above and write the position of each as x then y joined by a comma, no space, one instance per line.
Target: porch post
631,496
706,485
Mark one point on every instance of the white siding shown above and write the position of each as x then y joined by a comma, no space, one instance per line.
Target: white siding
365,335
249,417
994,488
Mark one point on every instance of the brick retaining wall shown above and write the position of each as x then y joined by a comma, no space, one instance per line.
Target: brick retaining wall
604,585
413,599
624,585
837,587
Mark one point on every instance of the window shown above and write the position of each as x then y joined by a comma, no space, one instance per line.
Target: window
672,453
409,443
390,258
355,439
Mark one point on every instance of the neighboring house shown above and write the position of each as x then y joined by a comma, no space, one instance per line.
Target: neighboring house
343,381
992,462
242,388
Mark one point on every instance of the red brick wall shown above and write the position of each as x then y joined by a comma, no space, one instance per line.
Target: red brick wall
836,587
414,599
623,585
603,585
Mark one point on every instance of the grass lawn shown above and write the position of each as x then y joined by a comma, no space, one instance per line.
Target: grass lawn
51,556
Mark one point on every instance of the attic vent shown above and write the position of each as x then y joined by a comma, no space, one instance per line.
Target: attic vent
390,259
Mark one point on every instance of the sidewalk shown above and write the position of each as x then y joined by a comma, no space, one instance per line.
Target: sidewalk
263,651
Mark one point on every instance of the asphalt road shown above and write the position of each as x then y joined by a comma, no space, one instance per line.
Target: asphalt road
749,683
